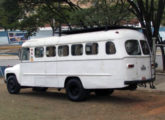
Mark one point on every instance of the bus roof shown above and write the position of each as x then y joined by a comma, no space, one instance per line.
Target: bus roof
85,37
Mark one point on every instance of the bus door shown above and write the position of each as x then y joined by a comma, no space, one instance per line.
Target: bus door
33,67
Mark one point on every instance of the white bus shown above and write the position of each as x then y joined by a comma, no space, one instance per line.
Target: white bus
98,61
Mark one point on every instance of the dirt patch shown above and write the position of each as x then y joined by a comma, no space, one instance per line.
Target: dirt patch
54,105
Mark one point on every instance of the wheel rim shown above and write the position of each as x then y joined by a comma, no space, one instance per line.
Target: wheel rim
11,85
74,90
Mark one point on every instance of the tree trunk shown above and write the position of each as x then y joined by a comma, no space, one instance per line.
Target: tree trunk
53,31
163,56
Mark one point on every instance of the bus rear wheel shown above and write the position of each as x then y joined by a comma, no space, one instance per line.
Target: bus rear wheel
13,86
75,90
103,92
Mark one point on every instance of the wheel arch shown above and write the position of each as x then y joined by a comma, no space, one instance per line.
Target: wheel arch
11,74
72,77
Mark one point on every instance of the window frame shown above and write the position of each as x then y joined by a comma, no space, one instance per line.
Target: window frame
147,47
110,51
139,47
82,51
97,52
35,52
67,52
22,54
55,51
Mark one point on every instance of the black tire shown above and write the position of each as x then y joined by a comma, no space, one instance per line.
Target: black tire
75,90
13,86
103,92
40,89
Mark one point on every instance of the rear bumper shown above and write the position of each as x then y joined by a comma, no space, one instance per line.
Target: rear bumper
135,82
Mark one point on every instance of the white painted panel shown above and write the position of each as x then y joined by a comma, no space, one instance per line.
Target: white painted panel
34,71
51,74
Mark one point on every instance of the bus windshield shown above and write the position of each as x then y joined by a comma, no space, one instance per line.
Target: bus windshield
25,54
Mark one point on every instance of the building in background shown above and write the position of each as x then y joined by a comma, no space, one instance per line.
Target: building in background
3,38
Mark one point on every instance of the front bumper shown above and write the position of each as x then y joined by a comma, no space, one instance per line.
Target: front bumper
136,82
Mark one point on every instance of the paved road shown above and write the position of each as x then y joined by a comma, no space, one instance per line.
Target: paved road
6,60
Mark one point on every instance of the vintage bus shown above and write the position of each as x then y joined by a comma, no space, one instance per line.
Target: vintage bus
99,61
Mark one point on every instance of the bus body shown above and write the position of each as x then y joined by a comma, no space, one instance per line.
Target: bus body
102,60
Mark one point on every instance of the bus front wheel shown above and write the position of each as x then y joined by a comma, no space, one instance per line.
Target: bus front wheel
12,85
75,90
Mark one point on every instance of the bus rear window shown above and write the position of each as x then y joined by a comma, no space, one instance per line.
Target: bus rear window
132,47
145,47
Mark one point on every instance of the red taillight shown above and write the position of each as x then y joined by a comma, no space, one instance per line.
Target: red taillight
152,65
130,65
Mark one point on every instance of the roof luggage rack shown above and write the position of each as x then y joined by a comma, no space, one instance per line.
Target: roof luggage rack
104,28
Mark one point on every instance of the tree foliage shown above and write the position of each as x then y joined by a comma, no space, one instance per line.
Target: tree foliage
10,13
149,14
99,13
31,14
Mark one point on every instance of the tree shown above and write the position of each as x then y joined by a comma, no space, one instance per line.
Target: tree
29,24
150,14
10,13
57,8
99,13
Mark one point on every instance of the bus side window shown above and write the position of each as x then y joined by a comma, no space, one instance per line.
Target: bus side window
25,54
63,50
110,48
39,52
91,48
50,51
77,49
